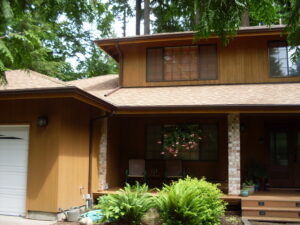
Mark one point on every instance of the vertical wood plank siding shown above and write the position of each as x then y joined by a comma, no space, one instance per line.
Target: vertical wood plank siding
244,60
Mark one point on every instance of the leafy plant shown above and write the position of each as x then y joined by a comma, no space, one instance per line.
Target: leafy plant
127,206
180,138
191,201
248,183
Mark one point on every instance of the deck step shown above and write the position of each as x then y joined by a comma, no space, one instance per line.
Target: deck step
275,219
271,209
284,208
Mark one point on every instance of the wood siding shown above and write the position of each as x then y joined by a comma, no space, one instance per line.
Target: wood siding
58,153
244,60
127,141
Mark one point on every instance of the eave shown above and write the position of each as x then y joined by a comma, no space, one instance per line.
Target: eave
57,92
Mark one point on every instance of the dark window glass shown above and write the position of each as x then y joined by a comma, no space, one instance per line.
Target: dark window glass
206,150
182,63
279,148
280,60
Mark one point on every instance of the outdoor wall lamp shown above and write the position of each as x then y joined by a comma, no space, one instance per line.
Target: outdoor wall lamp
42,121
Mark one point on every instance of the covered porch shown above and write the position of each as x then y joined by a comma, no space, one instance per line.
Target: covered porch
236,143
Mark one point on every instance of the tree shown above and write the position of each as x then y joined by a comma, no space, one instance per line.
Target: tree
138,15
122,10
224,17
42,34
146,16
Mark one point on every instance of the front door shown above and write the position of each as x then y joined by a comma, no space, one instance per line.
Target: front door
284,157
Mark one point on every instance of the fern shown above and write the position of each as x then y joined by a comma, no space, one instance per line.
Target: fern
190,201
127,206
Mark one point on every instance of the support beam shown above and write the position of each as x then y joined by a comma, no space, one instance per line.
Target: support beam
103,156
234,155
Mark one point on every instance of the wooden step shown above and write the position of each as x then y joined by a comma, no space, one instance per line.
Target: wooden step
275,219
275,214
271,203
271,209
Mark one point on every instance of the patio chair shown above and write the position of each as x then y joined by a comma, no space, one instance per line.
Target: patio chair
173,169
136,169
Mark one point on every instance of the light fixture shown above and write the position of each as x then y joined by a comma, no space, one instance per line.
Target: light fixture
42,121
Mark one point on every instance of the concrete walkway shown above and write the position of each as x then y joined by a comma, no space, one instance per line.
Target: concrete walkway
13,220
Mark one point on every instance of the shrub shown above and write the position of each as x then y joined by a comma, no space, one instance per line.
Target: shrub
127,206
190,201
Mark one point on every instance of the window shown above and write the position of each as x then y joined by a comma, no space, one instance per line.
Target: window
207,149
280,62
182,63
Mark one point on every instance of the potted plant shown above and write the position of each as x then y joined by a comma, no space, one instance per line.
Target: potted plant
258,174
249,185
244,192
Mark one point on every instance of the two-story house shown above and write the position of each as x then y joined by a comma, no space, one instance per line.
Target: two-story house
244,96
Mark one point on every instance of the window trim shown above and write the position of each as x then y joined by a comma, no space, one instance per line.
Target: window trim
217,124
287,59
174,46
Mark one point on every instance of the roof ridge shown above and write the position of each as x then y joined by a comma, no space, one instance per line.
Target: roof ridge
52,79
94,77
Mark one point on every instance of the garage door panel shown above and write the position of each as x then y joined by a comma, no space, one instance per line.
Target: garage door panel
13,169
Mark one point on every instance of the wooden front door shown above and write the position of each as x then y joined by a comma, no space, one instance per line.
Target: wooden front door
284,157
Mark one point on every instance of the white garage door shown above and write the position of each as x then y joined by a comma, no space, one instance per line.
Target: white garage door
13,169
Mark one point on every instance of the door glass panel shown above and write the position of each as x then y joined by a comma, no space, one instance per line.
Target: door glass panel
279,148
298,147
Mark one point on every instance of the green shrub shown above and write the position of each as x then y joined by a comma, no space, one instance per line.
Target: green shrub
127,206
190,201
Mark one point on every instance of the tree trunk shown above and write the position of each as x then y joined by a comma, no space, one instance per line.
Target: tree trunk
124,22
196,14
245,19
138,16
146,16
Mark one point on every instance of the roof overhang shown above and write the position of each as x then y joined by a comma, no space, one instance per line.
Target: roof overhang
111,45
57,92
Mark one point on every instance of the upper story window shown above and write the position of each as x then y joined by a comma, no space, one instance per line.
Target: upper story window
280,62
182,63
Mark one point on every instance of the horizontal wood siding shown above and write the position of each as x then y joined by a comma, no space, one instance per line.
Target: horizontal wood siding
244,60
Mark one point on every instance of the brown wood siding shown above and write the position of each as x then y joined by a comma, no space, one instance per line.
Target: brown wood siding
244,60
58,153
129,133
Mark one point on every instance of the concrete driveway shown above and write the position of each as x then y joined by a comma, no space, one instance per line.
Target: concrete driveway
13,220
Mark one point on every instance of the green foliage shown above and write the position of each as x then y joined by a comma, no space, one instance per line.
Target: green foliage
127,206
40,35
190,201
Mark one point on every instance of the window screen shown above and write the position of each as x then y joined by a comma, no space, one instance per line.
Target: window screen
182,63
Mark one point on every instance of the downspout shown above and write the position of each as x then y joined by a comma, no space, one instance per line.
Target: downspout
91,139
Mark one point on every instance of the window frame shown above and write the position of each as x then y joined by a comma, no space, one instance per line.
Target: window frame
174,46
287,59
216,124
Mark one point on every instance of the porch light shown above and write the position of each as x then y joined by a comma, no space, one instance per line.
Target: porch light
42,121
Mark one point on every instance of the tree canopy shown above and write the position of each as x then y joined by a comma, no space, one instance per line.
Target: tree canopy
42,34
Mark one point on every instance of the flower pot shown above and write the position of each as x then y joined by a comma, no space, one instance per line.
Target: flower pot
250,188
244,192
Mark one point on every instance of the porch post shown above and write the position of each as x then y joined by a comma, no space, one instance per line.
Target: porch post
103,156
234,143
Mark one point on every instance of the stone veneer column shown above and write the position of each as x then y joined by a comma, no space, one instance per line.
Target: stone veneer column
103,156
234,159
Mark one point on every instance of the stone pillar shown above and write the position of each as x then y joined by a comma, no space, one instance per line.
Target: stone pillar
234,155
103,156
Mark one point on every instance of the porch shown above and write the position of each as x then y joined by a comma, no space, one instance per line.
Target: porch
270,140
